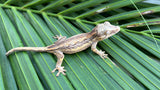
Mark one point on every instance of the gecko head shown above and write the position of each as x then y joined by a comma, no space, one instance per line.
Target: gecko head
106,29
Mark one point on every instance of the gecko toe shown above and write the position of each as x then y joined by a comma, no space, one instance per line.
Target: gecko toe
54,70
103,55
60,70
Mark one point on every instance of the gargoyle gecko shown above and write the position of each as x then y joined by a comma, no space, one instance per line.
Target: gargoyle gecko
75,44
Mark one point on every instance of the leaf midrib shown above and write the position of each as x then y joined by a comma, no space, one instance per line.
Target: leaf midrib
47,13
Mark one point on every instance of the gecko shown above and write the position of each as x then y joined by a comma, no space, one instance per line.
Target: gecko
75,44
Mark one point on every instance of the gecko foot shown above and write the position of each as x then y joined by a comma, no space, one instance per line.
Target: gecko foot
102,54
58,37
60,70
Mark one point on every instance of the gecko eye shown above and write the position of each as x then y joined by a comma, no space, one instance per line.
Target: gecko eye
107,23
107,32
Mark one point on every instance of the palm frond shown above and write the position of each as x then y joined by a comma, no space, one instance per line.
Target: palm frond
132,52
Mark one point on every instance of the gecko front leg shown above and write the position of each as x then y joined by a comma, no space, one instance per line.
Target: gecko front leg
99,52
60,57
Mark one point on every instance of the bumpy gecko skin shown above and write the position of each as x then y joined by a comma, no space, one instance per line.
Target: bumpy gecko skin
75,44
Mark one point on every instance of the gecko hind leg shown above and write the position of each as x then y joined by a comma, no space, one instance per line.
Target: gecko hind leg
60,57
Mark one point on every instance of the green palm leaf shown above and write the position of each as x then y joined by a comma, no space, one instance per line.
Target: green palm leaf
133,52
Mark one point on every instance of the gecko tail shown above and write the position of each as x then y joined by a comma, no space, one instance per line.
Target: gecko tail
35,49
